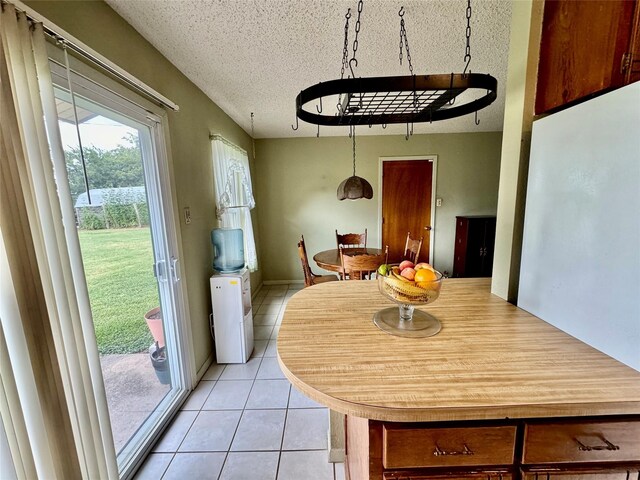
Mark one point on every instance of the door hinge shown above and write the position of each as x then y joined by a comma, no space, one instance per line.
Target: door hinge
625,63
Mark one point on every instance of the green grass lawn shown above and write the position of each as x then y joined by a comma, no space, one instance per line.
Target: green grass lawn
119,269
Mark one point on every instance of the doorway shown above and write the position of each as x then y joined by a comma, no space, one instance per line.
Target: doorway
407,204
117,176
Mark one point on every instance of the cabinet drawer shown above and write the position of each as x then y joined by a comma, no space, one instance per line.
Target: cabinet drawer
583,474
422,475
405,446
582,442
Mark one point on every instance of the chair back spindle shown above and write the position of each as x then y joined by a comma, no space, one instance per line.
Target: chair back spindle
412,248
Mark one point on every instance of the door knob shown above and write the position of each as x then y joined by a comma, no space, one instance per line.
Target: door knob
428,228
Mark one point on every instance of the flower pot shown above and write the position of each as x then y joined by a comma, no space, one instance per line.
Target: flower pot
160,364
154,321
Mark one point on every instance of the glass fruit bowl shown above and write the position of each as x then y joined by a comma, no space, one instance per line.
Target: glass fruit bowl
405,321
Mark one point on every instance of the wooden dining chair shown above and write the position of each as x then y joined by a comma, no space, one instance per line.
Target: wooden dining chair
352,240
412,248
360,266
311,278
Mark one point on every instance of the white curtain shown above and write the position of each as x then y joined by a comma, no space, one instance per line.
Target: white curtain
54,365
233,193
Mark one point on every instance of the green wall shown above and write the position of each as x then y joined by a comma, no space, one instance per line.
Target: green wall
296,181
97,25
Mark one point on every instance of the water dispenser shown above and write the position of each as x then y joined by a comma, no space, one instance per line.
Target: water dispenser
228,249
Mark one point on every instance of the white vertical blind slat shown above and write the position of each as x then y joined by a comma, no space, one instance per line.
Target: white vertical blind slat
38,452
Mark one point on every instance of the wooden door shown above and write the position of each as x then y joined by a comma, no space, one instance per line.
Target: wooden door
406,205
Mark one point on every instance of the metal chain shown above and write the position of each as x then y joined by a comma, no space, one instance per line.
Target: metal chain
400,42
355,40
403,35
353,137
467,52
345,49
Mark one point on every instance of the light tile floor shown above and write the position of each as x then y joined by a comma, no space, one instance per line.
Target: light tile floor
246,421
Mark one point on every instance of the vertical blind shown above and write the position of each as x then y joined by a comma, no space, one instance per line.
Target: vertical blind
54,363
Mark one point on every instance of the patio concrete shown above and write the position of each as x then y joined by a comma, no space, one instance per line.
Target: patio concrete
133,392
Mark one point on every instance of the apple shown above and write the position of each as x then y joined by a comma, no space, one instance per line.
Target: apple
409,273
422,265
405,264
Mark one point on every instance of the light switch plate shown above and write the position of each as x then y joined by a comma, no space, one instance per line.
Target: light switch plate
438,202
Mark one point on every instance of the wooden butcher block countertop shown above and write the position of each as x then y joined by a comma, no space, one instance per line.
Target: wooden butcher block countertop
491,360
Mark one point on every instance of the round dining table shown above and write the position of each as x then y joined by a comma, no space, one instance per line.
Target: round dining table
330,259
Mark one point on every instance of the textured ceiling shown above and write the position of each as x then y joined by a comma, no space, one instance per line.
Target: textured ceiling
256,55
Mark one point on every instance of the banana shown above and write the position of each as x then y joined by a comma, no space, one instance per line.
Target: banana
406,288
400,277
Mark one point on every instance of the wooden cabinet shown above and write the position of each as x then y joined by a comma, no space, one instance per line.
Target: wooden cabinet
587,47
473,252
578,448
478,475
622,473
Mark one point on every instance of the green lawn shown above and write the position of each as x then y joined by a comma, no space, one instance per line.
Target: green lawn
119,269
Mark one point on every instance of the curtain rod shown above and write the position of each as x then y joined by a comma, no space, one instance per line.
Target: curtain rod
87,52
217,136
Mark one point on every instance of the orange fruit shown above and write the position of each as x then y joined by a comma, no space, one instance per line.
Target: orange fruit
425,275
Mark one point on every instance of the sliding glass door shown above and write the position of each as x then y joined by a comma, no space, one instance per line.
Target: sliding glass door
117,174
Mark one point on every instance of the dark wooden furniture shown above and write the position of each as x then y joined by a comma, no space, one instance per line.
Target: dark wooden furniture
473,252
351,240
359,266
587,47
311,278
412,248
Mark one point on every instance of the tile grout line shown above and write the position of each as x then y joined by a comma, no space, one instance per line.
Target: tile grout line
240,419
284,428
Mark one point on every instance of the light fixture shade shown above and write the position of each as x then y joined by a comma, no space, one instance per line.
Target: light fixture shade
354,188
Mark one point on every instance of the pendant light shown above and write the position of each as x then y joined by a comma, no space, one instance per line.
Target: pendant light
354,187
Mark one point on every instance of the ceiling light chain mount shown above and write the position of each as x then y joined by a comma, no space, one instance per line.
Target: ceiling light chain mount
398,99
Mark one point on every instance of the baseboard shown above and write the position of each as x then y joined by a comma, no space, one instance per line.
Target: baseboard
255,293
336,454
282,282
204,368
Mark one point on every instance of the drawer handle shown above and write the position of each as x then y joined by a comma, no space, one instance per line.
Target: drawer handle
465,451
587,448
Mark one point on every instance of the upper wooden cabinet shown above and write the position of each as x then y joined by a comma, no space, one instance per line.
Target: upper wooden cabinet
587,46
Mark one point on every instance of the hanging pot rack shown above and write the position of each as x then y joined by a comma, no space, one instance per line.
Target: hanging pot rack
396,99
399,99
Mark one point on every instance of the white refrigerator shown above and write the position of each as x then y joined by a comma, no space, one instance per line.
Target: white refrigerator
232,317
